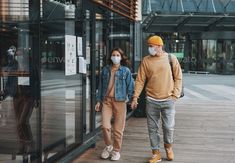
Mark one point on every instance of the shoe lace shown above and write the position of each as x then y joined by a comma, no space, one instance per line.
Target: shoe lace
168,150
108,148
154,156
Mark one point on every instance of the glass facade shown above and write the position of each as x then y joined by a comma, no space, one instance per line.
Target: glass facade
20,80
51,55
210,6
200,33
61,94
219,56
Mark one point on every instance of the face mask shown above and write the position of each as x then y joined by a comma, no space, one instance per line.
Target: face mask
116,59
11,52
158,51
152,51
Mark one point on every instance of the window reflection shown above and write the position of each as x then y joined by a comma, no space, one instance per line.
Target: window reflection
19,98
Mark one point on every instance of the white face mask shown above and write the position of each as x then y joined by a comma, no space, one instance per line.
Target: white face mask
116,59
158,51
152,51
11,52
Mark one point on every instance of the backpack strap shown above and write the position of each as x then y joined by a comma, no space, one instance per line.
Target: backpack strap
171,64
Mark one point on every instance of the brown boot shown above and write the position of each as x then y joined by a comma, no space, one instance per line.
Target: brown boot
169,152
156,157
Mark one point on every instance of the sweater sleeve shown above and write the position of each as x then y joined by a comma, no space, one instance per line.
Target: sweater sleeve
140,80
177,72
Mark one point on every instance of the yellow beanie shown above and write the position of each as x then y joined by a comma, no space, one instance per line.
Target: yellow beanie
155,40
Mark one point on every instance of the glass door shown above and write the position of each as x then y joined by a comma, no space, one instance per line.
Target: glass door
20,93
100,57
19,81
95,59
61,82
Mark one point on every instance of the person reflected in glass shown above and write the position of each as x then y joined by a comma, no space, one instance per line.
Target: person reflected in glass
23,101
115,89
11,81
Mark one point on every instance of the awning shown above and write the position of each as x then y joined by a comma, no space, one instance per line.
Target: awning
189,16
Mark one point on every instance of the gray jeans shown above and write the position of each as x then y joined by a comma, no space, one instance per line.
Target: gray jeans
165,110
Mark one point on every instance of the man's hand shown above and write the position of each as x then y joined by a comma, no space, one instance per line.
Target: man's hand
98,107
134,104
174,98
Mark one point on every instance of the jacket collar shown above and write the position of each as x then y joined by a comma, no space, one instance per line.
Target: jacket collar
119,68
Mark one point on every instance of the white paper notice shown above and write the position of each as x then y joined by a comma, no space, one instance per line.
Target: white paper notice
79,46
23,80
70,55
82,65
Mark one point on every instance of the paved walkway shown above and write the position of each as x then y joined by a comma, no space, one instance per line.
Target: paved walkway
205,126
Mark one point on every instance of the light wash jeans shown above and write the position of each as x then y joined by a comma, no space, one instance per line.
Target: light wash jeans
166,111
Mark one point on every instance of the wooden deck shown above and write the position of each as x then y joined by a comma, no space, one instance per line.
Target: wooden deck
204,133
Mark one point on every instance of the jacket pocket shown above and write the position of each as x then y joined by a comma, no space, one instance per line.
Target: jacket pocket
123,77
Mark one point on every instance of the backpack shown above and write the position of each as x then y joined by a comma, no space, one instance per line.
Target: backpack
171,64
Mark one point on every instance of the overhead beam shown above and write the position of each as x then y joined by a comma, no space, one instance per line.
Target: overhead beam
195,4
213,25
226,5
179,22
163,3
194,15
168,28
149,20
183,22
171,5
199,5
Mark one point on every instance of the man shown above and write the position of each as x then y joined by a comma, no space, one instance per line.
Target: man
162,90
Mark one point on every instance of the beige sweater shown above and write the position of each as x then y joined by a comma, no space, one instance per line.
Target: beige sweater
156,71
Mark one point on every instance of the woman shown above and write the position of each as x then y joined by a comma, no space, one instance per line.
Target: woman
114,91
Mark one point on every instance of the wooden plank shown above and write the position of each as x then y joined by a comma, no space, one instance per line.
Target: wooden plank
204,132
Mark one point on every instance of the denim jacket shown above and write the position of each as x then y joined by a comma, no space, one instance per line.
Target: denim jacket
123,86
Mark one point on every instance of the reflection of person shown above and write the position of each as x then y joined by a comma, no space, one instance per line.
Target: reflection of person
161,93
116,85
22,101
10,87
222,62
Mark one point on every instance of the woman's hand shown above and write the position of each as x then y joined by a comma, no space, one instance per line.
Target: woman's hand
98,107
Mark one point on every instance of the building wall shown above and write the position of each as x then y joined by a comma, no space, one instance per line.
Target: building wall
59,108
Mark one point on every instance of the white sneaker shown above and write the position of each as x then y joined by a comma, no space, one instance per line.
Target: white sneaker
115,156
106,152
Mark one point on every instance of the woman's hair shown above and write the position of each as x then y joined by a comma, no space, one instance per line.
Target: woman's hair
124,59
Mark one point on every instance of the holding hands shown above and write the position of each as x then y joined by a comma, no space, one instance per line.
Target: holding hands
134,103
